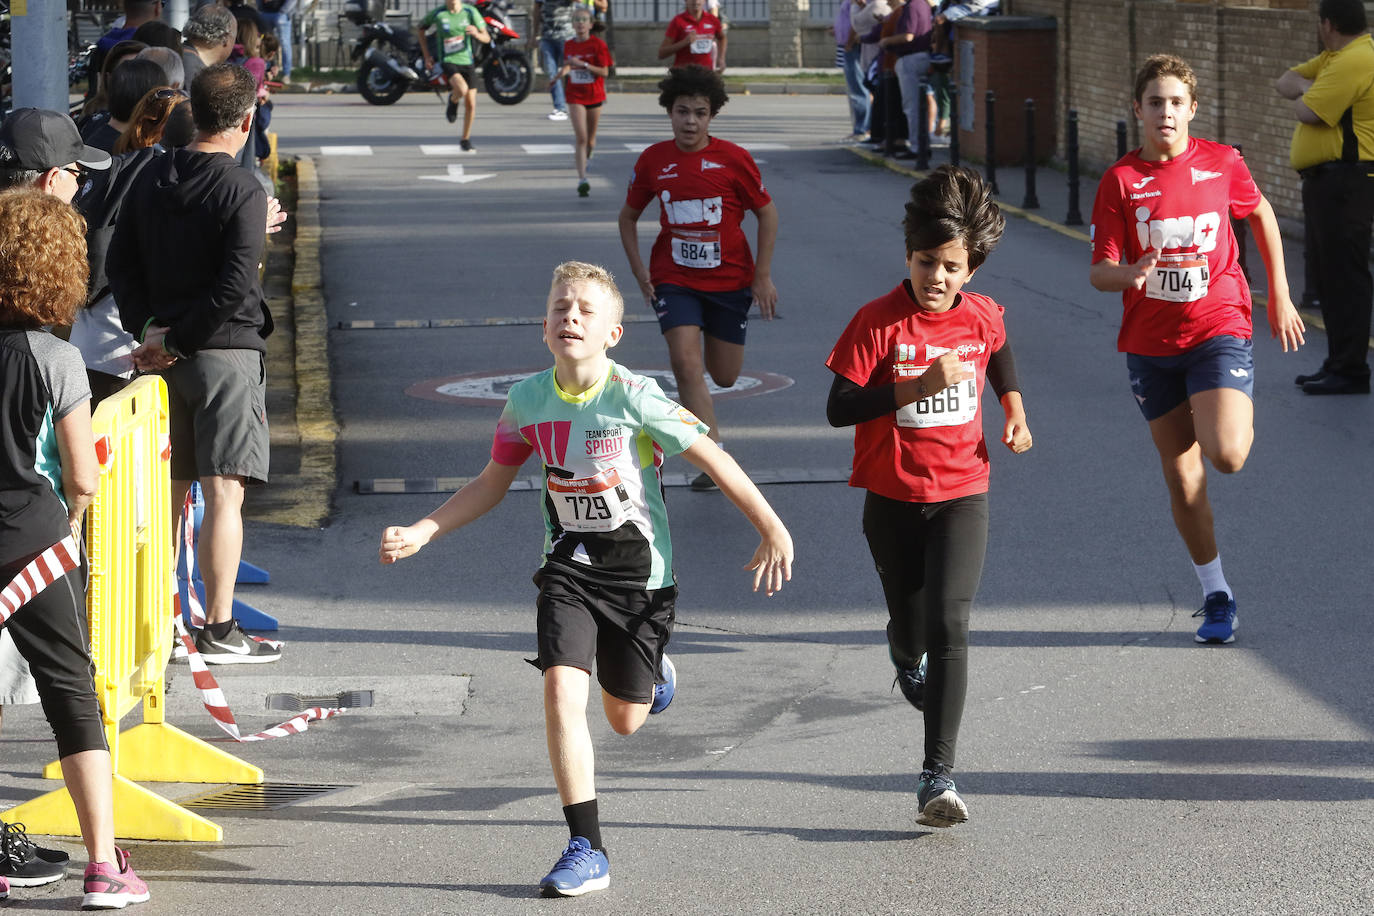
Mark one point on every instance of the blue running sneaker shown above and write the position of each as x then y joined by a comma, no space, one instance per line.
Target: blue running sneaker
663,693
912,681
1219,619
940,804
580,869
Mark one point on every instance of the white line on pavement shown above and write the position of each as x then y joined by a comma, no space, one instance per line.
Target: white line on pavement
346,151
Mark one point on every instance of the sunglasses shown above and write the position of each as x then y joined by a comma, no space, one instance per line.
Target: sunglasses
75,171
170,93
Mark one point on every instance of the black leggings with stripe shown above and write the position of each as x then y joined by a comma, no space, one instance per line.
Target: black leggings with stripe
51,633
930,561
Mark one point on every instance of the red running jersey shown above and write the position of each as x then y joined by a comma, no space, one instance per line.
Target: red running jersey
584,87
703,49
932,450
1184,208
702,199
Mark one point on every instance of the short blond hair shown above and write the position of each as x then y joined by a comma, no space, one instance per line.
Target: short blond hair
582,272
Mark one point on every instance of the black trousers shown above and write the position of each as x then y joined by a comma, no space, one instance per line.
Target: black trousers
930,560
1338,212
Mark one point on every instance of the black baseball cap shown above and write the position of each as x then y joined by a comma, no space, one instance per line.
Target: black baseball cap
35,138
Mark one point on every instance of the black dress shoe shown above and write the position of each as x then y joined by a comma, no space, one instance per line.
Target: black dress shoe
903,154
1314,377
1337,384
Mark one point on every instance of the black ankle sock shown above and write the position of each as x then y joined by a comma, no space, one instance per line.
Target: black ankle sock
584,821
219,630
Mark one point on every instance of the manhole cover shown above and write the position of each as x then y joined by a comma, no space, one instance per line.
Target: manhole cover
297,702
265,796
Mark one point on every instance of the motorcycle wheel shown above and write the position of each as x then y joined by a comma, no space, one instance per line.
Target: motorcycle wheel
508,76
379,86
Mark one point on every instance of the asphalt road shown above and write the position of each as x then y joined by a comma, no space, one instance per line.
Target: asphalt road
1110,765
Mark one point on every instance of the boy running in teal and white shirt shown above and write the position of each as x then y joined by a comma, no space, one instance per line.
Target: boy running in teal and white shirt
606,587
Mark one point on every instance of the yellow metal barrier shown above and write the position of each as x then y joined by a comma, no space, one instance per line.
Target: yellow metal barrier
129,602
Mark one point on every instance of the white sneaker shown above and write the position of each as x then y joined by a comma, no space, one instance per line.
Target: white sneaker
558,114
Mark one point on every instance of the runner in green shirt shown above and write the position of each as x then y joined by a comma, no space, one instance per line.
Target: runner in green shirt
455,27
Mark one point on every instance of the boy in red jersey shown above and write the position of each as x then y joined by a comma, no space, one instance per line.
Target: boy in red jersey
694,36
1162,238
586,61
909,374
701,277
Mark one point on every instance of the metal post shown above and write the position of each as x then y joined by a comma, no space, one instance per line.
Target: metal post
1074,217
1120,139
954,126
1032,202
991,148
923,129
40,56
892,110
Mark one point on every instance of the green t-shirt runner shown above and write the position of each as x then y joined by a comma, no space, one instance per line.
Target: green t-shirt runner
451,35
603,451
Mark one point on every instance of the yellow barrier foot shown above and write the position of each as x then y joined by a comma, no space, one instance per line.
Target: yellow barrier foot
139,815
165,753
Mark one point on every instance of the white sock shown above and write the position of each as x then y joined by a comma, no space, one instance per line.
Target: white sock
1212,578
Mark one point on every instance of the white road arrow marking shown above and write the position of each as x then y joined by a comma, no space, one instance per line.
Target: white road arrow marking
455,175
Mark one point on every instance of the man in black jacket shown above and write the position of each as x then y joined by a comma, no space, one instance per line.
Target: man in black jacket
183,266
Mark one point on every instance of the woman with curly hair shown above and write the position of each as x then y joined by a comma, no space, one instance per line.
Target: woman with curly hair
48,475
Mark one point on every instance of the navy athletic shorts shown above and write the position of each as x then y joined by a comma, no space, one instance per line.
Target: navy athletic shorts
1161,383
722,315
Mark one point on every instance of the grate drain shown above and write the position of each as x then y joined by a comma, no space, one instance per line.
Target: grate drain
263,796
299,702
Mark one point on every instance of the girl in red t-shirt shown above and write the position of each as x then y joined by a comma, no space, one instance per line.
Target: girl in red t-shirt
586,61
909,374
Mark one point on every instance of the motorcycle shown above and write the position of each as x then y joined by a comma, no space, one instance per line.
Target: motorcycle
392,63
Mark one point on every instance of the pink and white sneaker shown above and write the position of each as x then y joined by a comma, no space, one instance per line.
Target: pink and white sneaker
4,888
109,887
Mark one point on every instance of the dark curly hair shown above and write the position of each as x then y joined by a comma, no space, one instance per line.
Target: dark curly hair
43,265
693,79
953,203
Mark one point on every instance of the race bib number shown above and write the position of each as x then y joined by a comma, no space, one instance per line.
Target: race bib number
698,250
597,503
1178,280
954,406
581,76
454,44
703,45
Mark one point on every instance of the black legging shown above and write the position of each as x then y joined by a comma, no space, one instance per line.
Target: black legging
50,632
930,560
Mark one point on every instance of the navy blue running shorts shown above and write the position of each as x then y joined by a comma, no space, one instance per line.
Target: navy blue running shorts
623,631
1161,383
722,315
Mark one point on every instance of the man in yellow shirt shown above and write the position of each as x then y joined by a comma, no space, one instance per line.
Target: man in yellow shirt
1333,151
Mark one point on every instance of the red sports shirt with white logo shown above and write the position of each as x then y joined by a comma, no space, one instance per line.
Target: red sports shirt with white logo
702,199
583,87
1183,207
703,49
932,450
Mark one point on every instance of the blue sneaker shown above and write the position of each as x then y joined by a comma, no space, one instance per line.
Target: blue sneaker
663,693
912,681
940,804
580,869
1220,621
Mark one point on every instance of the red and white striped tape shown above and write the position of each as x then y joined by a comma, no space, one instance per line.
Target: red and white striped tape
45,569
211,694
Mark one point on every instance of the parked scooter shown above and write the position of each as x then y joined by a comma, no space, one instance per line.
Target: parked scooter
391,62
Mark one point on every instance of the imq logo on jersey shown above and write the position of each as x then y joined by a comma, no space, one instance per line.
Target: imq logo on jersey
550,439
687,212
1195,232
904,353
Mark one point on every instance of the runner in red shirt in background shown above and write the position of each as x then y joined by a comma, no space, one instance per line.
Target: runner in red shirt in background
909,374
694,36
1162,238
586,61
701,275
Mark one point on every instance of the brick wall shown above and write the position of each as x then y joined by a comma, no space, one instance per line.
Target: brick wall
1237,52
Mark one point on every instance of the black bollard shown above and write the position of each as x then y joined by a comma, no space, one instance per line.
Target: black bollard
923,129
1120,139
954,126
892,111
1031,202
991,149
1074,217
1240,228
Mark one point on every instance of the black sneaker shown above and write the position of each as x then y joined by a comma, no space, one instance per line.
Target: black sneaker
912,681
25,864
940,804
237,648
702,483
451,112
466,146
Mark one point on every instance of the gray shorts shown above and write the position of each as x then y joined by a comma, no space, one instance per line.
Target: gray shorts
218,401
